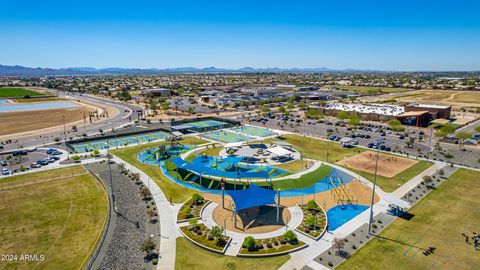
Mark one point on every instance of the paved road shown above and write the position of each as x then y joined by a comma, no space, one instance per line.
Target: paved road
127,113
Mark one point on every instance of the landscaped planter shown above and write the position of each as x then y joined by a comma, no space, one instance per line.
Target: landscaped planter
274,250
322,221
196,211
202,240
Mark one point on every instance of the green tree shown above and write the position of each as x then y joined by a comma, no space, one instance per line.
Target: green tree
342,115
290,236
312,205
463,136
354,120
250,243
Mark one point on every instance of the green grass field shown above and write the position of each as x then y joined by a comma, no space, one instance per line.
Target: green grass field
304,181
316,148
391,184
17,92
61,219
192,257
439,221
178,193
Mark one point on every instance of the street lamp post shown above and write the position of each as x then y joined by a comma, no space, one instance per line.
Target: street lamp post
373,192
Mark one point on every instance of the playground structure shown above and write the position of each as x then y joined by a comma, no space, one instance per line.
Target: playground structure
155,155
340,194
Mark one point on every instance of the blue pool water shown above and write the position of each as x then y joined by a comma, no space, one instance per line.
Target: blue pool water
339,215
3,101
36,106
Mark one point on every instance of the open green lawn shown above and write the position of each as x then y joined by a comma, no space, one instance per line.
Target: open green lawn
316,148
60,219
17,92
191,257
304,181
177,193
293,166
391,184
439,221
363,89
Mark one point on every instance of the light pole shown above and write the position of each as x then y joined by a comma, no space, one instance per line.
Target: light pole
111,182
370,220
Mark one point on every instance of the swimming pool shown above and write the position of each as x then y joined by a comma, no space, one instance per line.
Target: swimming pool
37,106
339,215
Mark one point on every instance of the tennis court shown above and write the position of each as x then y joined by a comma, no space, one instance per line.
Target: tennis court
226,136
254,131
119,141
202,126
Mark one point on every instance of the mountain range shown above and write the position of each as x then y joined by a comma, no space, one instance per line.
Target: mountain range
22,71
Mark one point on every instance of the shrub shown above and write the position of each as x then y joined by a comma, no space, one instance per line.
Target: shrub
250,243
196,198
290,236
155,261
96,152
312,205
76,158
221,242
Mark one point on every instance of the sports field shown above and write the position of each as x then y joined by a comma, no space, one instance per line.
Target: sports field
226,136
17,92
391,184
388,165
120,141
59,214
254,131
439,221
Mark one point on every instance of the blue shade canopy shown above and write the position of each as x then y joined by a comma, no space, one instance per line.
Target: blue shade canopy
251,197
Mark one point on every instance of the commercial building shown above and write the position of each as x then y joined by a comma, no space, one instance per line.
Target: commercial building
436,111
156,92
415,118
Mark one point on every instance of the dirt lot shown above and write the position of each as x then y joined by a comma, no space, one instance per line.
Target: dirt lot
15,122
388,165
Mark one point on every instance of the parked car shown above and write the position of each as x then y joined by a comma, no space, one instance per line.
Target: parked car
5,171
35,165
3,162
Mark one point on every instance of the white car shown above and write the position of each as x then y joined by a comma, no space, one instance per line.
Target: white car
5,171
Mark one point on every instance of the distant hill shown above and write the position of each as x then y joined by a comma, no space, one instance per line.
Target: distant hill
76,71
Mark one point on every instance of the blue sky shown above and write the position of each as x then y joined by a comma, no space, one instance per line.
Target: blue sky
387,35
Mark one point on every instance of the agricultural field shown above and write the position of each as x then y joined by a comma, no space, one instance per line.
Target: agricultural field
438,222
59,214
17,92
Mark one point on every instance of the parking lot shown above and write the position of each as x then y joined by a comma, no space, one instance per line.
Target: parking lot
369,135
22,160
